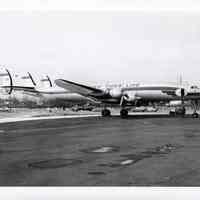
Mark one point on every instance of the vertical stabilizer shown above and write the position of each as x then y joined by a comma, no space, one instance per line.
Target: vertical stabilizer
6,79
26,80
46,82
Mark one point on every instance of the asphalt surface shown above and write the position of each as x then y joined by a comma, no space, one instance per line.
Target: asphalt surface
139,151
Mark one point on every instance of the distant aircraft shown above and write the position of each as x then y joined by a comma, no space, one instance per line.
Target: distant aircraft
137,95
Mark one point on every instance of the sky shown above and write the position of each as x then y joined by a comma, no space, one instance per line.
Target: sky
99,43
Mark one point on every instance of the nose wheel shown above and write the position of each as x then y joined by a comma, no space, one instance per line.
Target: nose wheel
195,105
181,112
105,113
195,115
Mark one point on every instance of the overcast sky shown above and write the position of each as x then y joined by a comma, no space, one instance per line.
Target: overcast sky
102,46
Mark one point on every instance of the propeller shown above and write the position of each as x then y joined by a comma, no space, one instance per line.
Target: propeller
124,97
7,73
182,96
182,91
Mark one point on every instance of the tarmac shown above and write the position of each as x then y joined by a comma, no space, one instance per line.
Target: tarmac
142,150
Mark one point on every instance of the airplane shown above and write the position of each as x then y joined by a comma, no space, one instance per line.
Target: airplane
135,96
24,88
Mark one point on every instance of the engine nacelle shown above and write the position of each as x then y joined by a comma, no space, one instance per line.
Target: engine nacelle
175,103
130,96
116,92
181,92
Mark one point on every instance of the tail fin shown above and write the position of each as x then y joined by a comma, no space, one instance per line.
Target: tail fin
27,80
6,80
46,81
34,83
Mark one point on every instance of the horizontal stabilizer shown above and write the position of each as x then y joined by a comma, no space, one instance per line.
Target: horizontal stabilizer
21,88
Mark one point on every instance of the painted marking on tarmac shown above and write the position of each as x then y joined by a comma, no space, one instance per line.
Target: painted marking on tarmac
104,149
127,162
32,118
21,119
54,163
134,158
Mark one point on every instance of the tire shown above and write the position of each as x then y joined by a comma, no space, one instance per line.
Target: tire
171,113
195,115
184,111
105,113
124,113
180,111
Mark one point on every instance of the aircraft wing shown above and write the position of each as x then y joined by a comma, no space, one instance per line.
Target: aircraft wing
79,88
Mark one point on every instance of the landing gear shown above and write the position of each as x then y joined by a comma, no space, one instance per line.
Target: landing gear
178,112
172,113
105,113
124,113
195,105
195,115
181,111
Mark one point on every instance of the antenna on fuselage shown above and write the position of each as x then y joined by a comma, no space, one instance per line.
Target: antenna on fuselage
181,80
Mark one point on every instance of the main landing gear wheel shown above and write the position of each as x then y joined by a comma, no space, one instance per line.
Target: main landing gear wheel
105,113
182,112
178,112
171,113
195,115
124,113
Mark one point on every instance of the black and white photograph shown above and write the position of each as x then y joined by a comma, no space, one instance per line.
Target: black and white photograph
100,93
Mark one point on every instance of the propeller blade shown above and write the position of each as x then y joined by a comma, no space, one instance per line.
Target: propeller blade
182,96
122,100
